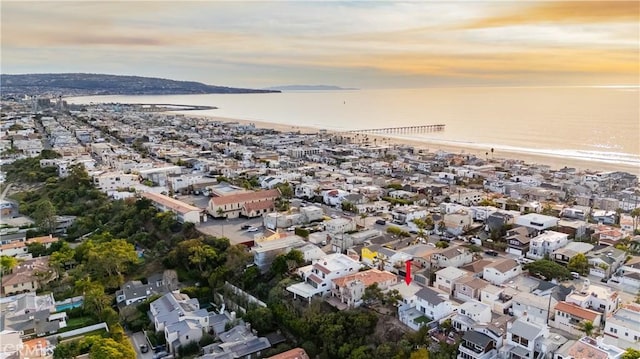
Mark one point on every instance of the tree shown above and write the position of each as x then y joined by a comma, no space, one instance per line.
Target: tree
442,244
631,353
635,214
422,353
108,348
7,264
579,263
202,254
44,216
37,249
548,269
286,190
587,327
442,227
372,294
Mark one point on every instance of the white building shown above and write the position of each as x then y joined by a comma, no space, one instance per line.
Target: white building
265,252
318,276
446,278
546,243
425,306
115,180
501,271
349,289
184,212
534,307
623,327
537,221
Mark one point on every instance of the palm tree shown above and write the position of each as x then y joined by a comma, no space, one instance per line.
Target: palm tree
492,153
587,327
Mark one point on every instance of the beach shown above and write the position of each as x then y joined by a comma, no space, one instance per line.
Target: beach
553,162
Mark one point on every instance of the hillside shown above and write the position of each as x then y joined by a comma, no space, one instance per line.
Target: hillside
79,84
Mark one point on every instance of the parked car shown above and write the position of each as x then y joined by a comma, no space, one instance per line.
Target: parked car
491,253
245,227
252,229
161,354
144,348
575,275
381,222
291,229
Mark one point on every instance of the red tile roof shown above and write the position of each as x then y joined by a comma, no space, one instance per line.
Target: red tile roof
297,353
245,197
577,311
258,206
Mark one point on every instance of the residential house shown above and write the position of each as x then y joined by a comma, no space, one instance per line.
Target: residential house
349,289
605,261
518,240
469,314
595,297
469,288
181,333
429,305
546,243
563,255
571,317
248,204
31,315
622,328
455,256
537,222
333,197
447,278
587,347
318,276
297,353
135,291
501,271
376,255
265,252
534,307
476,345
458,222
238,342
28,276
109,181
406,214
174,307
524,340
628,275
606,235
183,212
499,298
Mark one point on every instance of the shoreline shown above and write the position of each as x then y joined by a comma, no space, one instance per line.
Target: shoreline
555,163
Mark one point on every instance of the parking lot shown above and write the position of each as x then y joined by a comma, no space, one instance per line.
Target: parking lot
232,228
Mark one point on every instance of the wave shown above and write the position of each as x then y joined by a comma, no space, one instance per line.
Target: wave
587,155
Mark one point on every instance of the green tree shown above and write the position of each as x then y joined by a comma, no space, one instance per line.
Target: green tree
37,249
7,264
286,190
60,258
548,269
372,294
587,327
442,244
202,254
442,227
420,354
108,348
631,353
579,263
44,216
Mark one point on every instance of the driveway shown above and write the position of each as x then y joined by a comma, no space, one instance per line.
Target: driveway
138,339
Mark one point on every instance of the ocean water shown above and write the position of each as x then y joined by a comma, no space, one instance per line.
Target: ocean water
599,124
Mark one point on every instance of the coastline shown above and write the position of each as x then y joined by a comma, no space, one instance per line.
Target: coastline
552,161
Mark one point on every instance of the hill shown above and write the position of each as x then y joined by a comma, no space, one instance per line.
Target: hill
309,88
80,84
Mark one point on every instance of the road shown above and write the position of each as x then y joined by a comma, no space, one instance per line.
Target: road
138,339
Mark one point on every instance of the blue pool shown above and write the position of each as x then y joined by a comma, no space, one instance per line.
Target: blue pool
67,306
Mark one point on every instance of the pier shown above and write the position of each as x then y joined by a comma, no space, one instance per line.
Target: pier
401,130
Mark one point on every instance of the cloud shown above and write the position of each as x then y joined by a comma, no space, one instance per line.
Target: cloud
564,12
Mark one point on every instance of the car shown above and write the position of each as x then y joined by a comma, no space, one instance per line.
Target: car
291,229
245,227
381,222
575,275
144,348
160,354
334,216
252,229
491,253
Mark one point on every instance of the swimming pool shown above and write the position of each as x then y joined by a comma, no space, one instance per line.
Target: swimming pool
70,305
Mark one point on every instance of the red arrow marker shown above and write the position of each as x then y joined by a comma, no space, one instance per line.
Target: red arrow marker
407,276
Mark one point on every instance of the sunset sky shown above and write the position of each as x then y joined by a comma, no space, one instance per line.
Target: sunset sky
365,44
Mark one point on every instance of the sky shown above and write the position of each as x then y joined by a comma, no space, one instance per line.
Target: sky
364,44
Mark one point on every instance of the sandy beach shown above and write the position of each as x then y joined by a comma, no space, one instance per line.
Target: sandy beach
553,162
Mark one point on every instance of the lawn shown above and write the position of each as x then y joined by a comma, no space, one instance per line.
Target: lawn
75,323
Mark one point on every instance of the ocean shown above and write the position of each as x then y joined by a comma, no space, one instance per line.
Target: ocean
598,124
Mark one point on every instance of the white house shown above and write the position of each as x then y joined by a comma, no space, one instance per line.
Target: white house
115,180
406,214
427,305
333,197
181,333
175,307
456,256
318,276
546,243
476,345
535,307
537,221
571,317
446,278
349,289
469,314
501,271
524,339
623,327
184,212
595,297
